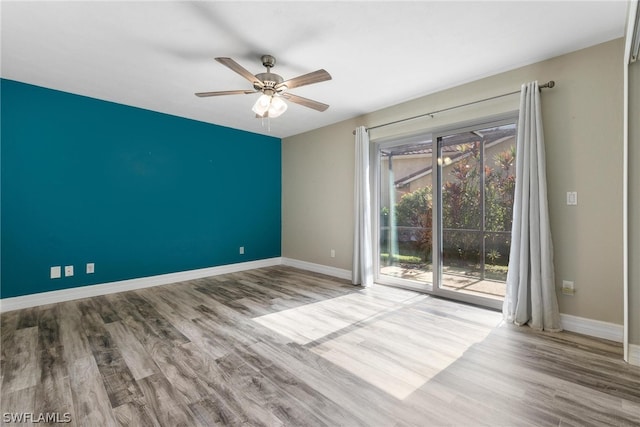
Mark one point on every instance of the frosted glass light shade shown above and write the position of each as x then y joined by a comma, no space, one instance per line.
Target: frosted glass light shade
277,107
262,105
269,106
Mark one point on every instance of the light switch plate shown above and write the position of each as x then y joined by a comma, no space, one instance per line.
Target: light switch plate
568,288
56,272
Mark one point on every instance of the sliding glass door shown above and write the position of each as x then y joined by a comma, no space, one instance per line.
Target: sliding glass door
445,211
476,177
405,209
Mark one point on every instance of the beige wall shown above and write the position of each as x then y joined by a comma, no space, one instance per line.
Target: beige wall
583,131
317,194
634,203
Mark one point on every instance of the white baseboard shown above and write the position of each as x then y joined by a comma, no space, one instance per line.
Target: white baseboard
634,354
594,328
318,268
42,298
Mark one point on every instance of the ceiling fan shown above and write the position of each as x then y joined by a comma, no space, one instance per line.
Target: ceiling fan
273,87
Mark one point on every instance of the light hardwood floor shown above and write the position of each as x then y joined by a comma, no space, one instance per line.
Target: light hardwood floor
280,346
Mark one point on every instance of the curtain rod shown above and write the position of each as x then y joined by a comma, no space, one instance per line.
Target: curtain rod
549,85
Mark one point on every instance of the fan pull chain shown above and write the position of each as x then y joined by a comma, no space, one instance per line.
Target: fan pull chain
268,123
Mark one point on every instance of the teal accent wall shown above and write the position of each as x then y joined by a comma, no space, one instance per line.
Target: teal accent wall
136,192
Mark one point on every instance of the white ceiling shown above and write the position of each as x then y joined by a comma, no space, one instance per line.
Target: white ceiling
155,55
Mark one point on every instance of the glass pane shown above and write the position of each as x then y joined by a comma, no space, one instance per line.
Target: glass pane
477,177
500,173
406,208
461,209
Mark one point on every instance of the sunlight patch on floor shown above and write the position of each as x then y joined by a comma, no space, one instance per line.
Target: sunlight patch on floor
392,349
312,322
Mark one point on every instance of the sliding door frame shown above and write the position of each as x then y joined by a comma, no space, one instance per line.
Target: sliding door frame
434,135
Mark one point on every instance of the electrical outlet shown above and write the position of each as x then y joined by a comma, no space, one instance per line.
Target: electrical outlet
333,253
68,270
91,268
572,198
568,288
241,250
56,272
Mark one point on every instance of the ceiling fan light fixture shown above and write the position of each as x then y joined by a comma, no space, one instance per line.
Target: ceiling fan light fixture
277,107
269,106
262,105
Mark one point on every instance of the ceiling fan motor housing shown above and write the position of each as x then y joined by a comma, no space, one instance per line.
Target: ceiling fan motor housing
270,80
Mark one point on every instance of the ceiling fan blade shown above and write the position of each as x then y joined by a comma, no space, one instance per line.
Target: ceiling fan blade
233,65
305,101
225,92
306,79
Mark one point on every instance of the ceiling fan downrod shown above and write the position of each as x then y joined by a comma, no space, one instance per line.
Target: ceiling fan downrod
269,80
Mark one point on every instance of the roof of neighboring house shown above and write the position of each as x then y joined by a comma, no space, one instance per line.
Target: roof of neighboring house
422,147
450,147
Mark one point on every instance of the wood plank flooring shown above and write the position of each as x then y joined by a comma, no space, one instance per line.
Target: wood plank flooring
283,347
